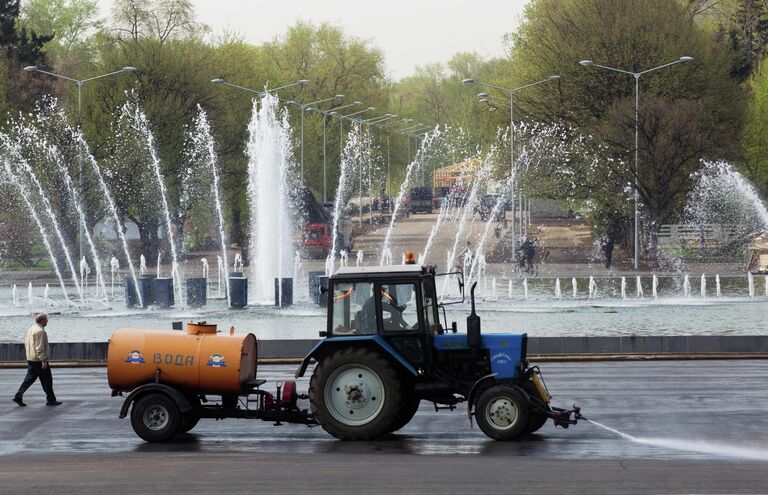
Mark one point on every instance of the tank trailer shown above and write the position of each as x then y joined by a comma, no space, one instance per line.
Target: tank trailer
383,352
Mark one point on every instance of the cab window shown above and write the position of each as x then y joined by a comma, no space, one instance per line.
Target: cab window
430,306
399,308
354,310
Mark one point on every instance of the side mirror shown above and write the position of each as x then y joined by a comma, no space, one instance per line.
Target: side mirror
454,328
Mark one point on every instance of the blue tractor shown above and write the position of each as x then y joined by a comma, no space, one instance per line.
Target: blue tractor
384,351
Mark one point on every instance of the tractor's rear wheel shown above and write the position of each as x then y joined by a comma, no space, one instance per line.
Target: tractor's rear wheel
355,394
503,412
536,422
407,411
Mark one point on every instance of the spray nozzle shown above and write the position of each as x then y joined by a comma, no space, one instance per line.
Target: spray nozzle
577,413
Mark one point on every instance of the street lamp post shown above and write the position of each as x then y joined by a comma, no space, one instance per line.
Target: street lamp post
325,115
391,125
636,75
408,133
511,93
368,123
304,106
341,148
341,124
35,70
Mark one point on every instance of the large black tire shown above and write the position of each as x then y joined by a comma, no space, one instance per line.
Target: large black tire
503,412
156,418
408,410
189,421
535,423
191,418
355,394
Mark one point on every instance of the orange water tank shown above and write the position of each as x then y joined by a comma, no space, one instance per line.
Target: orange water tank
199,360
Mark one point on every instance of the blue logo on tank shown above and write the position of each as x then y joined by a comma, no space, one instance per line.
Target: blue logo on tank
216,361
135,357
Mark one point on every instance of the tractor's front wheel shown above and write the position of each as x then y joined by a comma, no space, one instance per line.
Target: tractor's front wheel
503,412
355,394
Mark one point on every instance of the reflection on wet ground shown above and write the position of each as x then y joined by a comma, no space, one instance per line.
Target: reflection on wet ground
718,404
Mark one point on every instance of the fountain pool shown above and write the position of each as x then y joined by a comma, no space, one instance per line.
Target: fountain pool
540,315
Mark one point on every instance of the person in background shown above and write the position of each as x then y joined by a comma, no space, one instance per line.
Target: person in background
608,252
38,351
527,252
459,266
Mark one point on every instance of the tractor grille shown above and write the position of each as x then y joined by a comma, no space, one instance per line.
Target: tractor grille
524,350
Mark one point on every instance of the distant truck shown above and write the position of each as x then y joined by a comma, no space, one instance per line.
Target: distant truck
421,200
318,228
317,241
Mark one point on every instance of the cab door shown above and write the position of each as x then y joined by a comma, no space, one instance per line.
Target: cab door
401,318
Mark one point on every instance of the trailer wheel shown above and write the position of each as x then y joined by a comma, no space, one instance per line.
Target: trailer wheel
502,412
355,394
155,418
190,419
407,412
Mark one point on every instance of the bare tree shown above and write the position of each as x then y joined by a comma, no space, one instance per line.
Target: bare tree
158,19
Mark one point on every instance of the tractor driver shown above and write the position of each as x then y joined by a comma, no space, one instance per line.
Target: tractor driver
389,306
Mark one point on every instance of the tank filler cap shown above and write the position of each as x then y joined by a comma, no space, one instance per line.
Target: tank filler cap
200,327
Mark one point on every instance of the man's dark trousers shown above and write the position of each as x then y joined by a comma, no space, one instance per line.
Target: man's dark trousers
35,370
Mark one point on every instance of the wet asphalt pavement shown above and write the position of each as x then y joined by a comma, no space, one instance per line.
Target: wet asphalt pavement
695,427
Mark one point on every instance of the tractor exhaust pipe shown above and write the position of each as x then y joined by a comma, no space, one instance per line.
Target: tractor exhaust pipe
473,323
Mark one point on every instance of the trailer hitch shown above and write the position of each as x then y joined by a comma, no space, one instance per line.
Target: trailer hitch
565,417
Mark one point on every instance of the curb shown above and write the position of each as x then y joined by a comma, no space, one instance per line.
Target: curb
542,358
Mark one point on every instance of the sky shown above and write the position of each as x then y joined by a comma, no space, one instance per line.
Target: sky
411,33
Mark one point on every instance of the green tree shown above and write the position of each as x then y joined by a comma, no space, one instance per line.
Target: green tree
687,112
336,63
71,24
19,47
755,137
161,20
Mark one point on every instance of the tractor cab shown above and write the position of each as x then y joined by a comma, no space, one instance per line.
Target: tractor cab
396,303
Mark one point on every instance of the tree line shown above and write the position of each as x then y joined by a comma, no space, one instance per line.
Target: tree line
710,108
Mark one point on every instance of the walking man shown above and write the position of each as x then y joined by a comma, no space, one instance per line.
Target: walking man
36,345
608,252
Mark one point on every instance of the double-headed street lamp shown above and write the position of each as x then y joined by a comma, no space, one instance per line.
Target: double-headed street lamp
342,118
636,75
304,106
368,123
511,92
35,70
221,81
389,126
408,133
380,118
365,122
326,114
491,101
